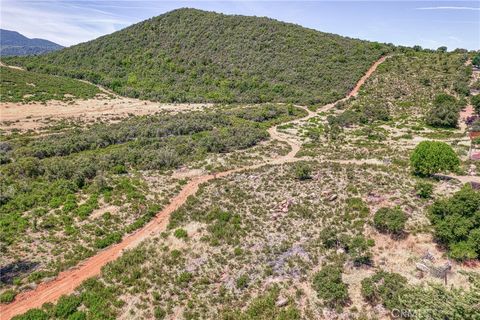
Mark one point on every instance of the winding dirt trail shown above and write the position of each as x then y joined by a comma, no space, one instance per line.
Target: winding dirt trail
11,67
367,75
68,280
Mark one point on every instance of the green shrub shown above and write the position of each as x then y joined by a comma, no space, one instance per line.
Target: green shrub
476,103
436,301
32,314
78,315
476,60
7,296
391,220
430,157
180,233
99,299
444,113
456,222
26,86
425,302
159,313
184,277
424,189
330,287
328,237
359,250
303,171
385,288
119,169
357,208
66,306
110,239
242,281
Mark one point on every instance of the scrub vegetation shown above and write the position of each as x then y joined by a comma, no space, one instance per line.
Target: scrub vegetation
81,190
25,86
374,214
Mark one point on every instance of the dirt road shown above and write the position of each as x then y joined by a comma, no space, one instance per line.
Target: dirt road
67,281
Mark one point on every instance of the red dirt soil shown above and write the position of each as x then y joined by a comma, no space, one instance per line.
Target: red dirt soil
66,282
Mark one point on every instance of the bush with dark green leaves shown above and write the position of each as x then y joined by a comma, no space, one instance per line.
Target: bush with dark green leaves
430,157
242,281
456,222
302,171
96,299
180,233
385,288
33,314
424,189
7,296
444,113
66,306
437,301
112,238
359,250
390,220
476,103
476,60
330,287
224,227
357,247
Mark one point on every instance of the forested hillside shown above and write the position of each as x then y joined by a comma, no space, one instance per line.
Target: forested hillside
197,56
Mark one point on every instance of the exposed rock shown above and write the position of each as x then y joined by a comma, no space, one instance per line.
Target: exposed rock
281,302
422,267
428,256
332,197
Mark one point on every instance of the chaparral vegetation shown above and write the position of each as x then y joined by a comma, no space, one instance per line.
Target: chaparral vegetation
290,196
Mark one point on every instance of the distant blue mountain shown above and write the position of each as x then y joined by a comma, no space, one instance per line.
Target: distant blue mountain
13,43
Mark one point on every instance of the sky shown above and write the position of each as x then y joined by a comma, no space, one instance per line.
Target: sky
431,24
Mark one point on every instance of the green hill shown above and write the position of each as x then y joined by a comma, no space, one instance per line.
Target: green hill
197,56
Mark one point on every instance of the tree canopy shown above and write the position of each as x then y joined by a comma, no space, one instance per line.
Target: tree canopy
390,220
430,157
476,60
456,221
445,112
